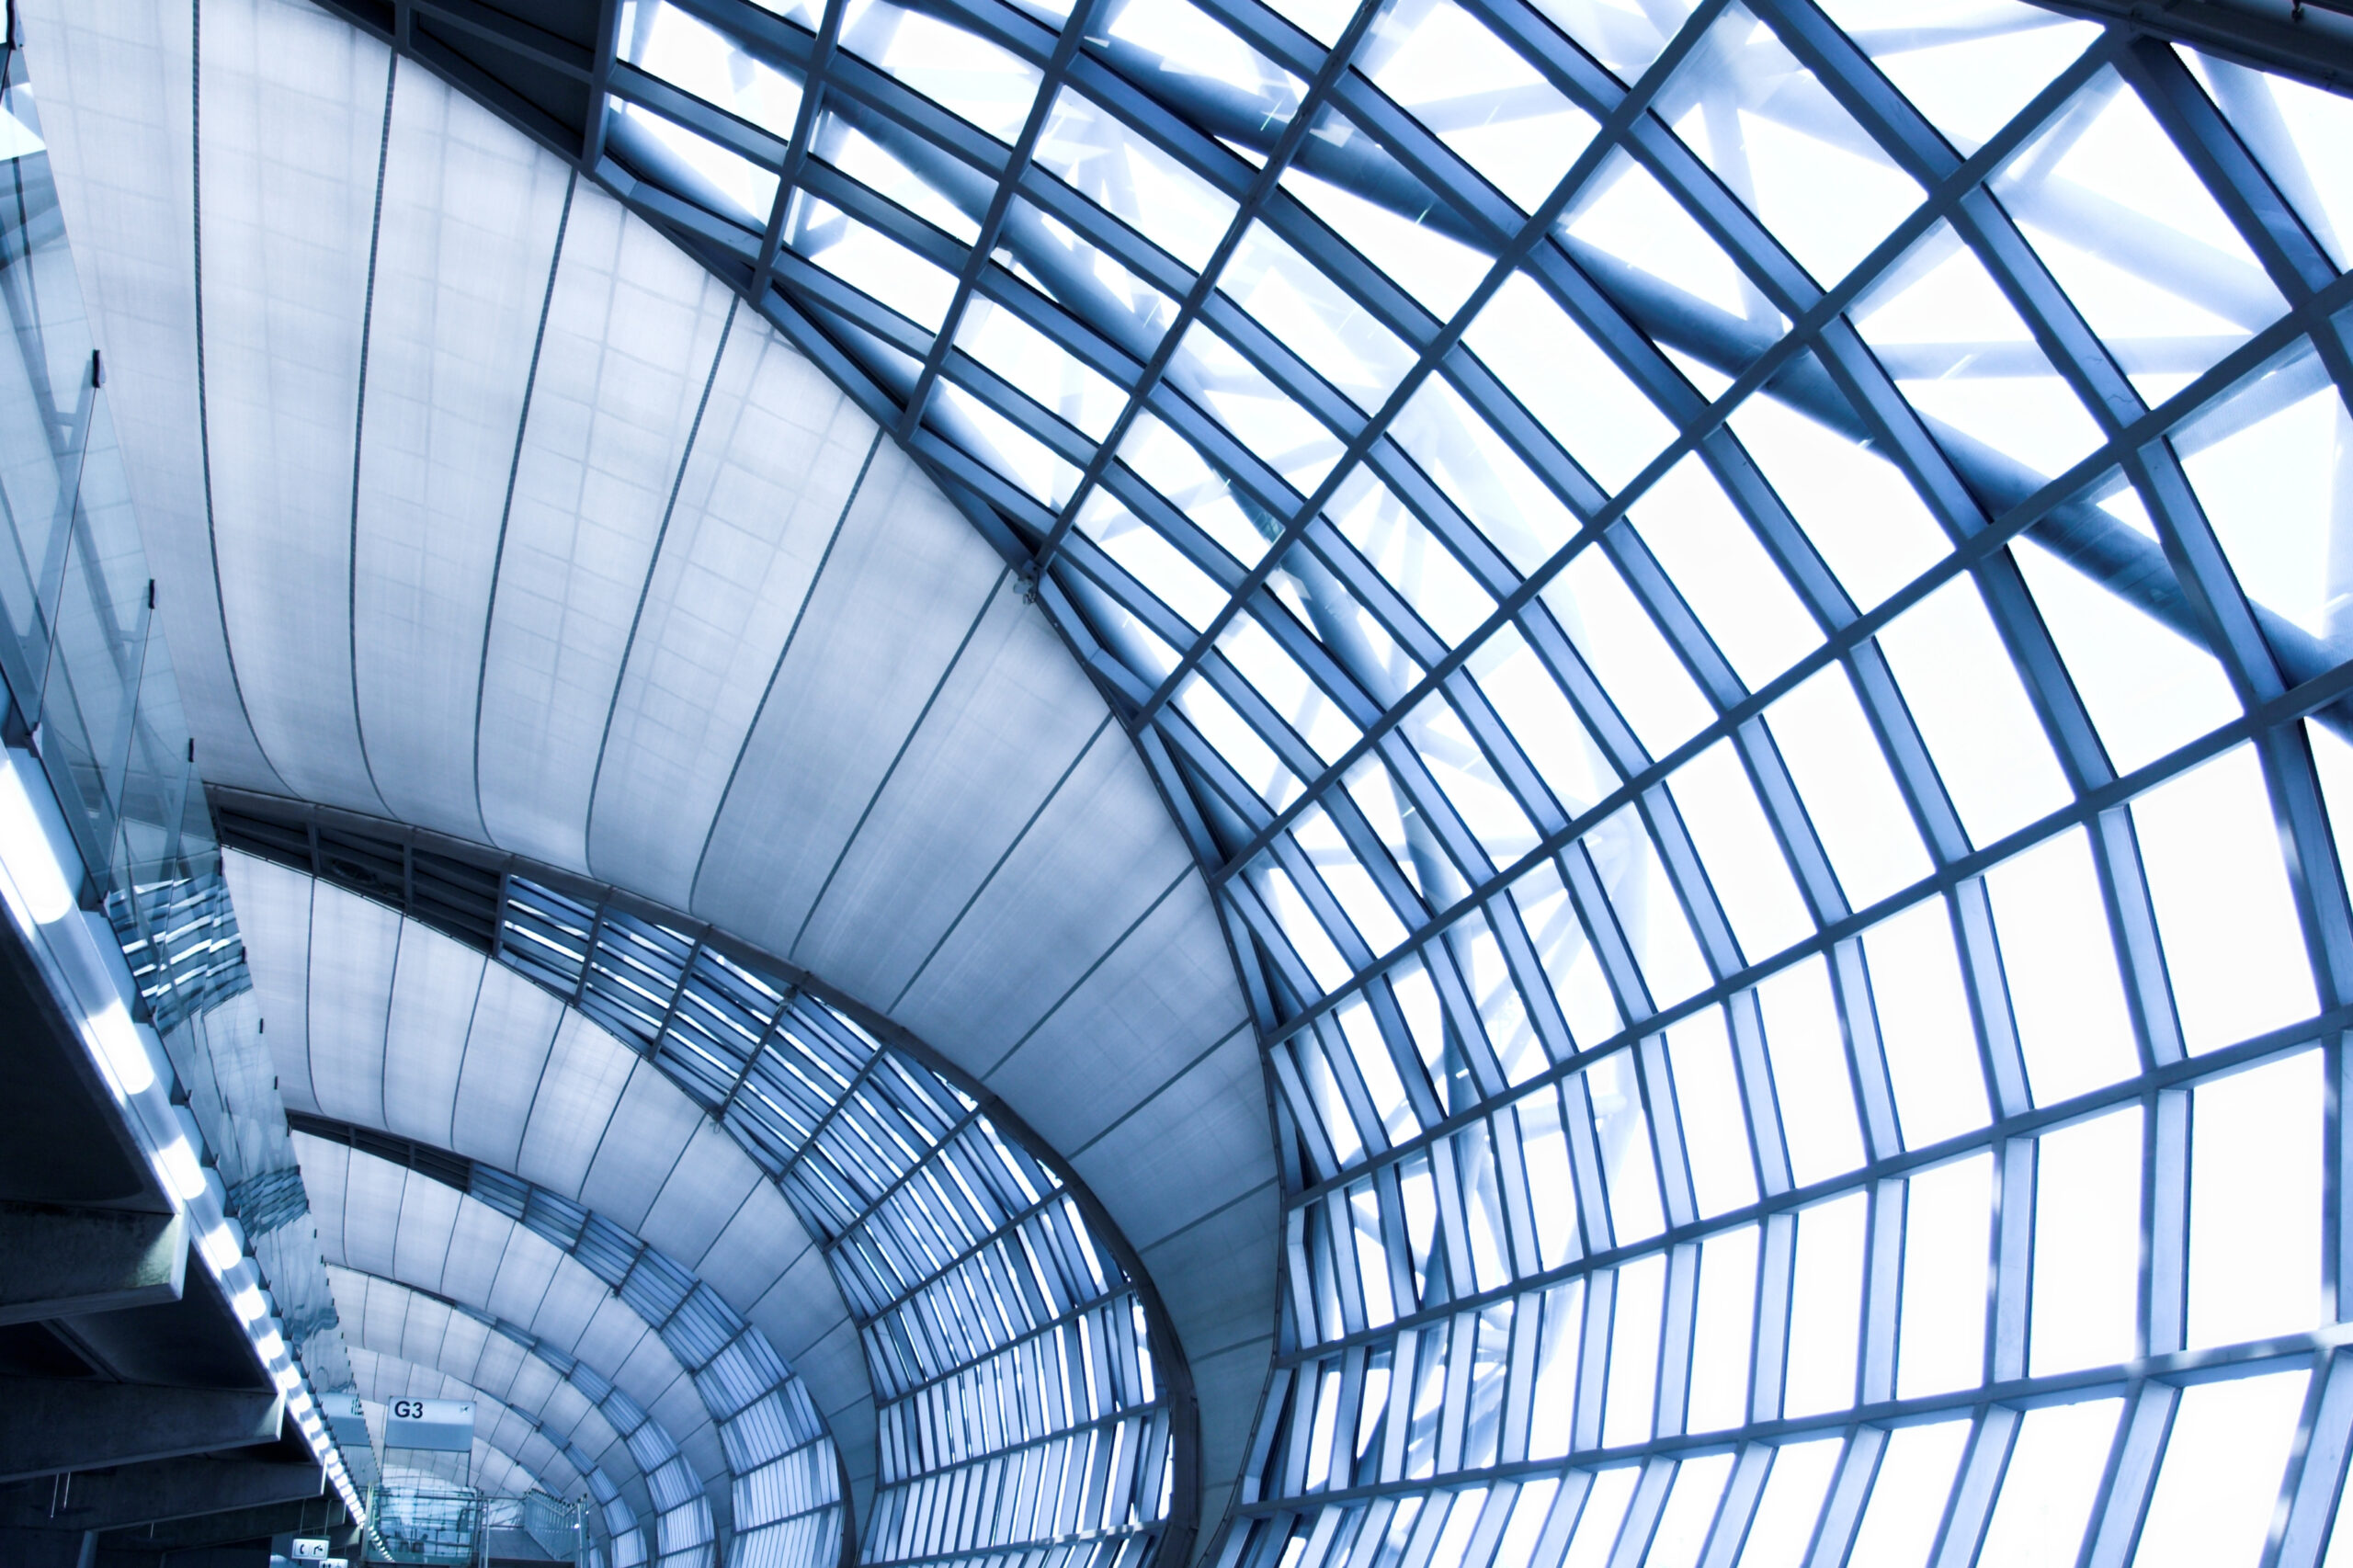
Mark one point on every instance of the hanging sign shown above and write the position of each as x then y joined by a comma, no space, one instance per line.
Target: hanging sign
444,1425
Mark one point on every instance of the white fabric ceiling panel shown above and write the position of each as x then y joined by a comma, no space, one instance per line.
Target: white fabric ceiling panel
632,330
470,209
614,1339
760,1242
1142,1018
1200,1287
586,1072
355,944
1100,855
574,1297
710,1181
513,1029
652,1374
294,103
325,1167
274,917
905,582
477,1246
1228,1385
495,1368
801,1307
566,1408
629,1172
1007,723
681,1412
428,1223
836,1360
462,1347
772,467
535,1382
525,1273
372,1190
433,988
115,84
425,1330
1193,1147
382,1317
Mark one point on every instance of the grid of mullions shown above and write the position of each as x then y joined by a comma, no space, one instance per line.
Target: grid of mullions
986,1306
1628,889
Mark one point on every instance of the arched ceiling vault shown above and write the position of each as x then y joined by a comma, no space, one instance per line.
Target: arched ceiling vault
1738,607
616,579
762,1415
684,1007
396,1323
379,1221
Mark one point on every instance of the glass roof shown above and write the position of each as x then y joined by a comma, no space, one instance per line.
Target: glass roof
1744,607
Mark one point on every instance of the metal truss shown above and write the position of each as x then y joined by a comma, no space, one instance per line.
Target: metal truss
1721,619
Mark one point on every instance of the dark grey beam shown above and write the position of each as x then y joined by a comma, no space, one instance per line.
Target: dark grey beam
49,1426
64,1262
309,1516
163,1491
2311,40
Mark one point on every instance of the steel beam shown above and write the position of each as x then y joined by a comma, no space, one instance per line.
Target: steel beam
310,1516
49,1426
168,1490
62,1262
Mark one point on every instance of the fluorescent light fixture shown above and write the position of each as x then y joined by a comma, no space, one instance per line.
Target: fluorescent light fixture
120,1048
271,1347
289,1378
24,847
221,1249
182,1171
249,1304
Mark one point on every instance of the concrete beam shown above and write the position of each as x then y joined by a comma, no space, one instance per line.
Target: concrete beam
49,1426
316,1516
64,1262
164,1490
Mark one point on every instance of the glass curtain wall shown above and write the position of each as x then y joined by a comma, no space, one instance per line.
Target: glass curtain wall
1744,606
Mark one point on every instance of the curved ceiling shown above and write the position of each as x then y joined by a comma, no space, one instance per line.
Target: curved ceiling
929,1204
1739,601
635,591
786,1470
436,1044
377,1219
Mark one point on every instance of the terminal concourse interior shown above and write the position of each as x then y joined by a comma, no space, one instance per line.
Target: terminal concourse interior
1176,783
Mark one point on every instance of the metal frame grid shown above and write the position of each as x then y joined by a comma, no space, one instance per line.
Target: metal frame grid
1482,603
786,1472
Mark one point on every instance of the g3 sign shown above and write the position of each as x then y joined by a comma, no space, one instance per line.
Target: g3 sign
447,1424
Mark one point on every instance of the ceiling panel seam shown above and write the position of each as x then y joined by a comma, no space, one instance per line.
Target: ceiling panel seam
998,864
791,634
514,467
946,672
360,423
204,400
646,590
